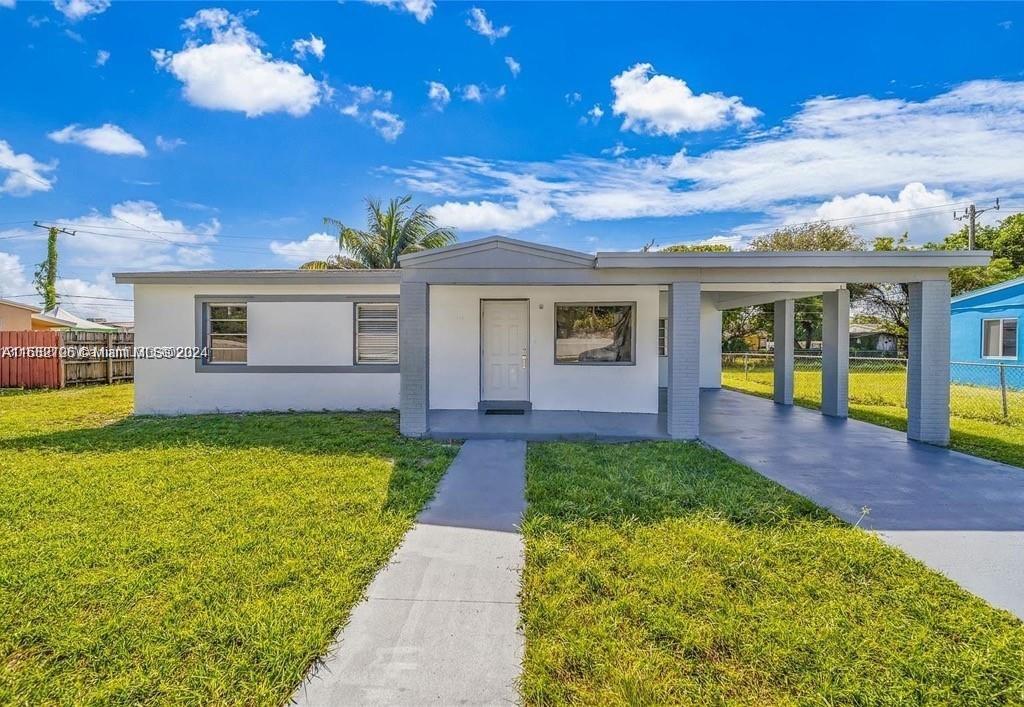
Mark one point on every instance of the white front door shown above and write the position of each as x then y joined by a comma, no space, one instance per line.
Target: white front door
504,353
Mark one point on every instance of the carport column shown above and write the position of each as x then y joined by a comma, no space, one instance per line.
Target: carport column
928,364
413,357
783,337
835,353
684,360
710,343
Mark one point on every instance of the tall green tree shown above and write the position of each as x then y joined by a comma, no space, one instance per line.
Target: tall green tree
1005,240
46,271
391,231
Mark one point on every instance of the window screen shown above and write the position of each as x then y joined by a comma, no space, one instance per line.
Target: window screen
377,333
593,333
226,333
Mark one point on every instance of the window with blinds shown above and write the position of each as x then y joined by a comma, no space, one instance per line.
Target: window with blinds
376,333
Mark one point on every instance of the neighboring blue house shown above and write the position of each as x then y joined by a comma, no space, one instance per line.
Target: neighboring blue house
984,330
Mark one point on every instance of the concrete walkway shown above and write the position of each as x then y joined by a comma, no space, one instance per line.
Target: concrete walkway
440,625
959,514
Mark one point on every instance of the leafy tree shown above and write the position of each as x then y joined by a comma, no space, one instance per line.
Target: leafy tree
391,231
332,262
697,248
818,235
1005,240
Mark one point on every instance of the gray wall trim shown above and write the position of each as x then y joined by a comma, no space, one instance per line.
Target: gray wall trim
260,277
201,366
797,259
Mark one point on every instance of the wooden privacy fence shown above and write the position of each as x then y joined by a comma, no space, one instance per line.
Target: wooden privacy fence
49,359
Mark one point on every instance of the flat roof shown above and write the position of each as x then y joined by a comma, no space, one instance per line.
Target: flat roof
797,259
224,277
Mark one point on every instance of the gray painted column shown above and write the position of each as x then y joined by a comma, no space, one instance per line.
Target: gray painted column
684,360
783,337
413,358
835,353
928,365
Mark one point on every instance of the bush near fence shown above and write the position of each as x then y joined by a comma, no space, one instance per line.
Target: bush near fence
987,392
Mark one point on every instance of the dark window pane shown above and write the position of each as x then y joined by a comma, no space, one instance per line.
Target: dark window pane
594,333
1010,338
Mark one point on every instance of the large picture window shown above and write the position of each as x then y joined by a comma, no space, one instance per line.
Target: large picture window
226,333
594,334
999,338
377,333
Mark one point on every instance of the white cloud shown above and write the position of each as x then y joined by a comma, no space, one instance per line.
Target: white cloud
593,115
14,279
231,72
514,66
830,147
657,104
573,98
439,95
102,57
420,9
477,93
472,92
37,22
479,23
75,10
109,139
136,235
74,36
316,246
169,144
617,150
491,216
9,4
25,174
314,45
1006,24
387,124
368,105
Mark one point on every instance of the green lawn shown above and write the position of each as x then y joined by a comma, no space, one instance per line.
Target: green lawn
199,560
666,573
976,423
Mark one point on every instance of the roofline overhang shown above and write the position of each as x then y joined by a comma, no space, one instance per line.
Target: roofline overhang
259,277
988,290
434,256
797,259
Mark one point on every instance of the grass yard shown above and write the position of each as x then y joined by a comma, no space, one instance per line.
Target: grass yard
976,425
197,560
667,573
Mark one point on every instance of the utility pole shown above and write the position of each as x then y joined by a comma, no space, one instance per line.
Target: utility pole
971,214
46,271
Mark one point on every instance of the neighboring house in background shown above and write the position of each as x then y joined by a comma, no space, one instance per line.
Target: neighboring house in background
500,325
865,337
16,316
73,321
985,329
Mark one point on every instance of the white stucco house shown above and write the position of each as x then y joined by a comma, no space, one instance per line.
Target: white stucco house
501,326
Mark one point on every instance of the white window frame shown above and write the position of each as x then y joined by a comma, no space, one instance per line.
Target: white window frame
1002,323
356,335
663,337
208,334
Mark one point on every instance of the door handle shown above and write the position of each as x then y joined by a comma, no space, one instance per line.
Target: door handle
524,361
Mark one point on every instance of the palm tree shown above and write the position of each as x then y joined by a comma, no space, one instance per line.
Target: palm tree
390,232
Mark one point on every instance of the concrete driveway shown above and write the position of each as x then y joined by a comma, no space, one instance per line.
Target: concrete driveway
959,514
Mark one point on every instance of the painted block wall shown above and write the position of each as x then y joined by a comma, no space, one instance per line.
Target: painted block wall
455,350
966,336
290,333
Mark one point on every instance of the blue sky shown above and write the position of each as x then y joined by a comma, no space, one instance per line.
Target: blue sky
205,135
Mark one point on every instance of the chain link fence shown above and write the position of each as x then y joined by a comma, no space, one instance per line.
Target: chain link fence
991,392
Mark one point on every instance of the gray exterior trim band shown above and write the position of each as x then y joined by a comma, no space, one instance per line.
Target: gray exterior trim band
200,340
260,277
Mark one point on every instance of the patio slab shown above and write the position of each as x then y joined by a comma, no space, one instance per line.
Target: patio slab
961,515
440,623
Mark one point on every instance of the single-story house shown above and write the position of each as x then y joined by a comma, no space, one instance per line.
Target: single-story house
501,325
865,337
17,316
985,336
